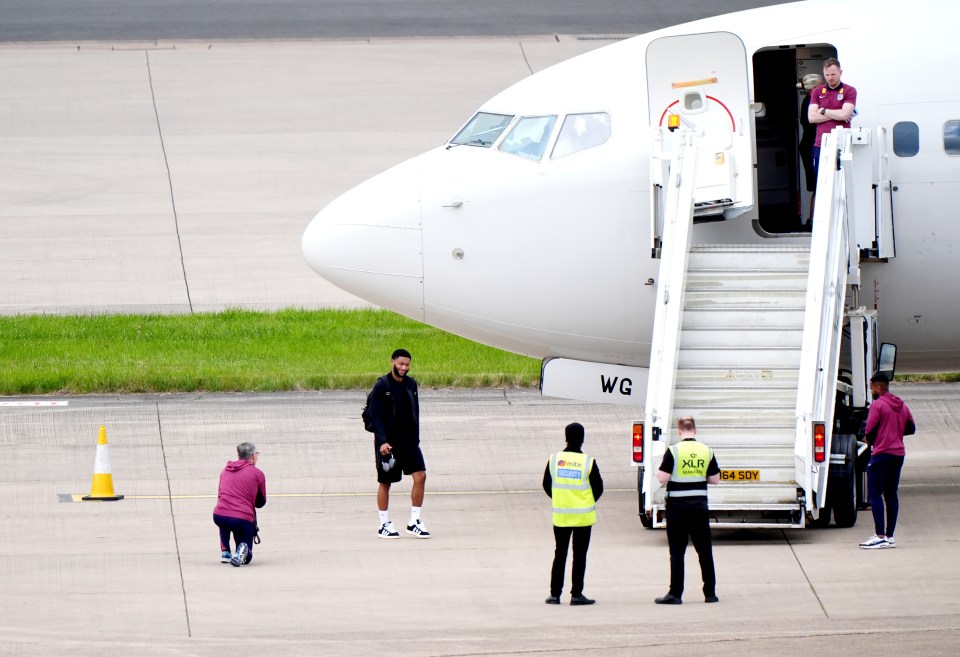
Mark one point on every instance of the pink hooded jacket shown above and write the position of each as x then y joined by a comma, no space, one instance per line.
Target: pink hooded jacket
243,489
888,421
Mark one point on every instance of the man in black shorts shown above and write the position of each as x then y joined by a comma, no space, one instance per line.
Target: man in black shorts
395,408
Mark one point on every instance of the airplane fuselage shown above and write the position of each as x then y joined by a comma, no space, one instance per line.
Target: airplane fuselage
549,253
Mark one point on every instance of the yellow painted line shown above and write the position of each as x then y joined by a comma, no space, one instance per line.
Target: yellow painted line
78,497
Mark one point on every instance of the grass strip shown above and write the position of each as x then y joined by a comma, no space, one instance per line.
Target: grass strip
942,377
240,350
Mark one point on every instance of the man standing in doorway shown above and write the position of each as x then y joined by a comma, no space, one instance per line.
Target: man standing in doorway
687,467
572,479
888,421
831,105
395,408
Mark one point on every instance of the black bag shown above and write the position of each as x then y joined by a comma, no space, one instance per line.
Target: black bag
365,414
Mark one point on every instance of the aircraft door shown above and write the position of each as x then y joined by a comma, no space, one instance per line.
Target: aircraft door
703,79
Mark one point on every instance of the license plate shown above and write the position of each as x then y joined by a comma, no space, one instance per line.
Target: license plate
739,475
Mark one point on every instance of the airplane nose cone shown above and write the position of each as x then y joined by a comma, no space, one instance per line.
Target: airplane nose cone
368,241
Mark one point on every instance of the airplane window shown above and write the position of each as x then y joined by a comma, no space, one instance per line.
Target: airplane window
906,138
529,137
580,132
483,129
951,137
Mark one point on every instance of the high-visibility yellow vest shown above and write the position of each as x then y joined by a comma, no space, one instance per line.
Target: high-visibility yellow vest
689,476
573,503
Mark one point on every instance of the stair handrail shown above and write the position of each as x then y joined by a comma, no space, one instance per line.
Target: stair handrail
883,201
830,260
671,282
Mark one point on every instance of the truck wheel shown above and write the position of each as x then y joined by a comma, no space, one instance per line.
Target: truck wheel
644,520
842,484
823,520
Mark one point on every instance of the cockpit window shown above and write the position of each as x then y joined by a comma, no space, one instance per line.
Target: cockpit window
580,132
529,137
483,129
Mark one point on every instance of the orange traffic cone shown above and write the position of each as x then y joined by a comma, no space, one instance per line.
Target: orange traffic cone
102,489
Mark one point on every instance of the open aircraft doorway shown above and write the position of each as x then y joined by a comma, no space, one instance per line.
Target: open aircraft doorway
783,198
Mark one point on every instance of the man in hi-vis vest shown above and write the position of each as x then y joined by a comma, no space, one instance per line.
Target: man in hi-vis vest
572,480
687,467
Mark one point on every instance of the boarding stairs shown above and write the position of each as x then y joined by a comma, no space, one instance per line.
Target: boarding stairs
746,341
738,366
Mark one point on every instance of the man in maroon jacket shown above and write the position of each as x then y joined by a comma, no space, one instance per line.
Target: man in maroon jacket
888,421
243,490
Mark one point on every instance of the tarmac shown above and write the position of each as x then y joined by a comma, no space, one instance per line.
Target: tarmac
142,576
179,177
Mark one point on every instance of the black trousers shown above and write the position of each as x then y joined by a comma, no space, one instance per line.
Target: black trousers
581,543
692,524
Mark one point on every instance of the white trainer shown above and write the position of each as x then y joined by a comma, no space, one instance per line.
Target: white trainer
240,558
876,543
387,531
417,529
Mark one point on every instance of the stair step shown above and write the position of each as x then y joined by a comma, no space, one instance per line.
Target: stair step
746,417
722,377
740,358
744,494
755,456
744,299
722,316
758,436
736,397
702,337
734,436
714,279
766,247
776,431
738,257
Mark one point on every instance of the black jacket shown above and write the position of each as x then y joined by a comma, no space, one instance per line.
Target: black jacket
387,428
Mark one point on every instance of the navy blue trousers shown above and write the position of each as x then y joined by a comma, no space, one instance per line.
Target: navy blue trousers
883,479
242,531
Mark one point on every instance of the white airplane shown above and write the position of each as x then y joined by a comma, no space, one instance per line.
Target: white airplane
544,227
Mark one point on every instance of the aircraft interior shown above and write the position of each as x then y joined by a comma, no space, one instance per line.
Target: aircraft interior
784,203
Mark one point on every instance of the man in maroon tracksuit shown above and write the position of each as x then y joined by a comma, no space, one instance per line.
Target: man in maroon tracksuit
888,421
243,490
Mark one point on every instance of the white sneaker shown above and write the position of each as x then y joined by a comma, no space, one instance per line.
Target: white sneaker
387,531
240,558
890,542
876,543
418,530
